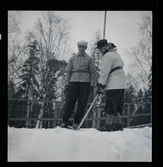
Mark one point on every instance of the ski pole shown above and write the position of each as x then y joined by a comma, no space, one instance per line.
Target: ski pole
87,112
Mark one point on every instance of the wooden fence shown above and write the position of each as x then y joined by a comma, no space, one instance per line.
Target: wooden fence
127,116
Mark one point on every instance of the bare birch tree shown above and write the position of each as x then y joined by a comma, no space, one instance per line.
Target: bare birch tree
13,24
51,32
15,49
142,53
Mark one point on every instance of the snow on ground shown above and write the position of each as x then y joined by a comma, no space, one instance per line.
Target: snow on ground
60,144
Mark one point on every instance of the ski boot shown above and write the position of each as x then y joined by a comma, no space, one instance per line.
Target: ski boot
109,124
63,125
118,123
75,126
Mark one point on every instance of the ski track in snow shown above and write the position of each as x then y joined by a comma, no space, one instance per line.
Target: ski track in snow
58,144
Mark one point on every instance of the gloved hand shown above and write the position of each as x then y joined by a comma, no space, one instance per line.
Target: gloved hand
100,88
66,89
91,89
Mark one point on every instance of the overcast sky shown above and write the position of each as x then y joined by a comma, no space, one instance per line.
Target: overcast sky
121,27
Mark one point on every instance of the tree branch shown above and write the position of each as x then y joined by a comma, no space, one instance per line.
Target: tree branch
18,54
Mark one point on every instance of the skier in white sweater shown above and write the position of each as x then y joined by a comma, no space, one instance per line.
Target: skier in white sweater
112,79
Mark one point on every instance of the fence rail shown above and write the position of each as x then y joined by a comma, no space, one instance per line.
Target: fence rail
125,115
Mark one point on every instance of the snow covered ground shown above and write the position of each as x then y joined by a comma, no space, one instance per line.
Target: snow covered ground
85,145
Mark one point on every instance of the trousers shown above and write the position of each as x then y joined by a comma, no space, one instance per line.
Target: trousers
76,91
114,101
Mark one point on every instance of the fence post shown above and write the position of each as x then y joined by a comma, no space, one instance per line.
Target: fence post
128,114
55,114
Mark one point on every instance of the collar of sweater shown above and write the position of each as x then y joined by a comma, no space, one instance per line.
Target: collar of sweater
78,54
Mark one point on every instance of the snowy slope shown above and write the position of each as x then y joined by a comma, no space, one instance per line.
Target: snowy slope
85,145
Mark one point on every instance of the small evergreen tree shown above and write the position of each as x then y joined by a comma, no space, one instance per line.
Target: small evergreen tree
130,94
141,108
149,90
29,86
28,89
140,96
147,102
11,88
129,97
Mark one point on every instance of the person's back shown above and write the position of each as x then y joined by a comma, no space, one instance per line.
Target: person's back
116,79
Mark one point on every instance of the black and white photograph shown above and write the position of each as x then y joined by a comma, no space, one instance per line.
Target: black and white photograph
79,85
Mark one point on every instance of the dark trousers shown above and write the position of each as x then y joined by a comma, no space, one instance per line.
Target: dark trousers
114,101
80,91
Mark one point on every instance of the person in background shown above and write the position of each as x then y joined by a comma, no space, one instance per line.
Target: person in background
80,80
112,79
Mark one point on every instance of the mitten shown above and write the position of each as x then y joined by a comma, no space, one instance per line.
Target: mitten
100,88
